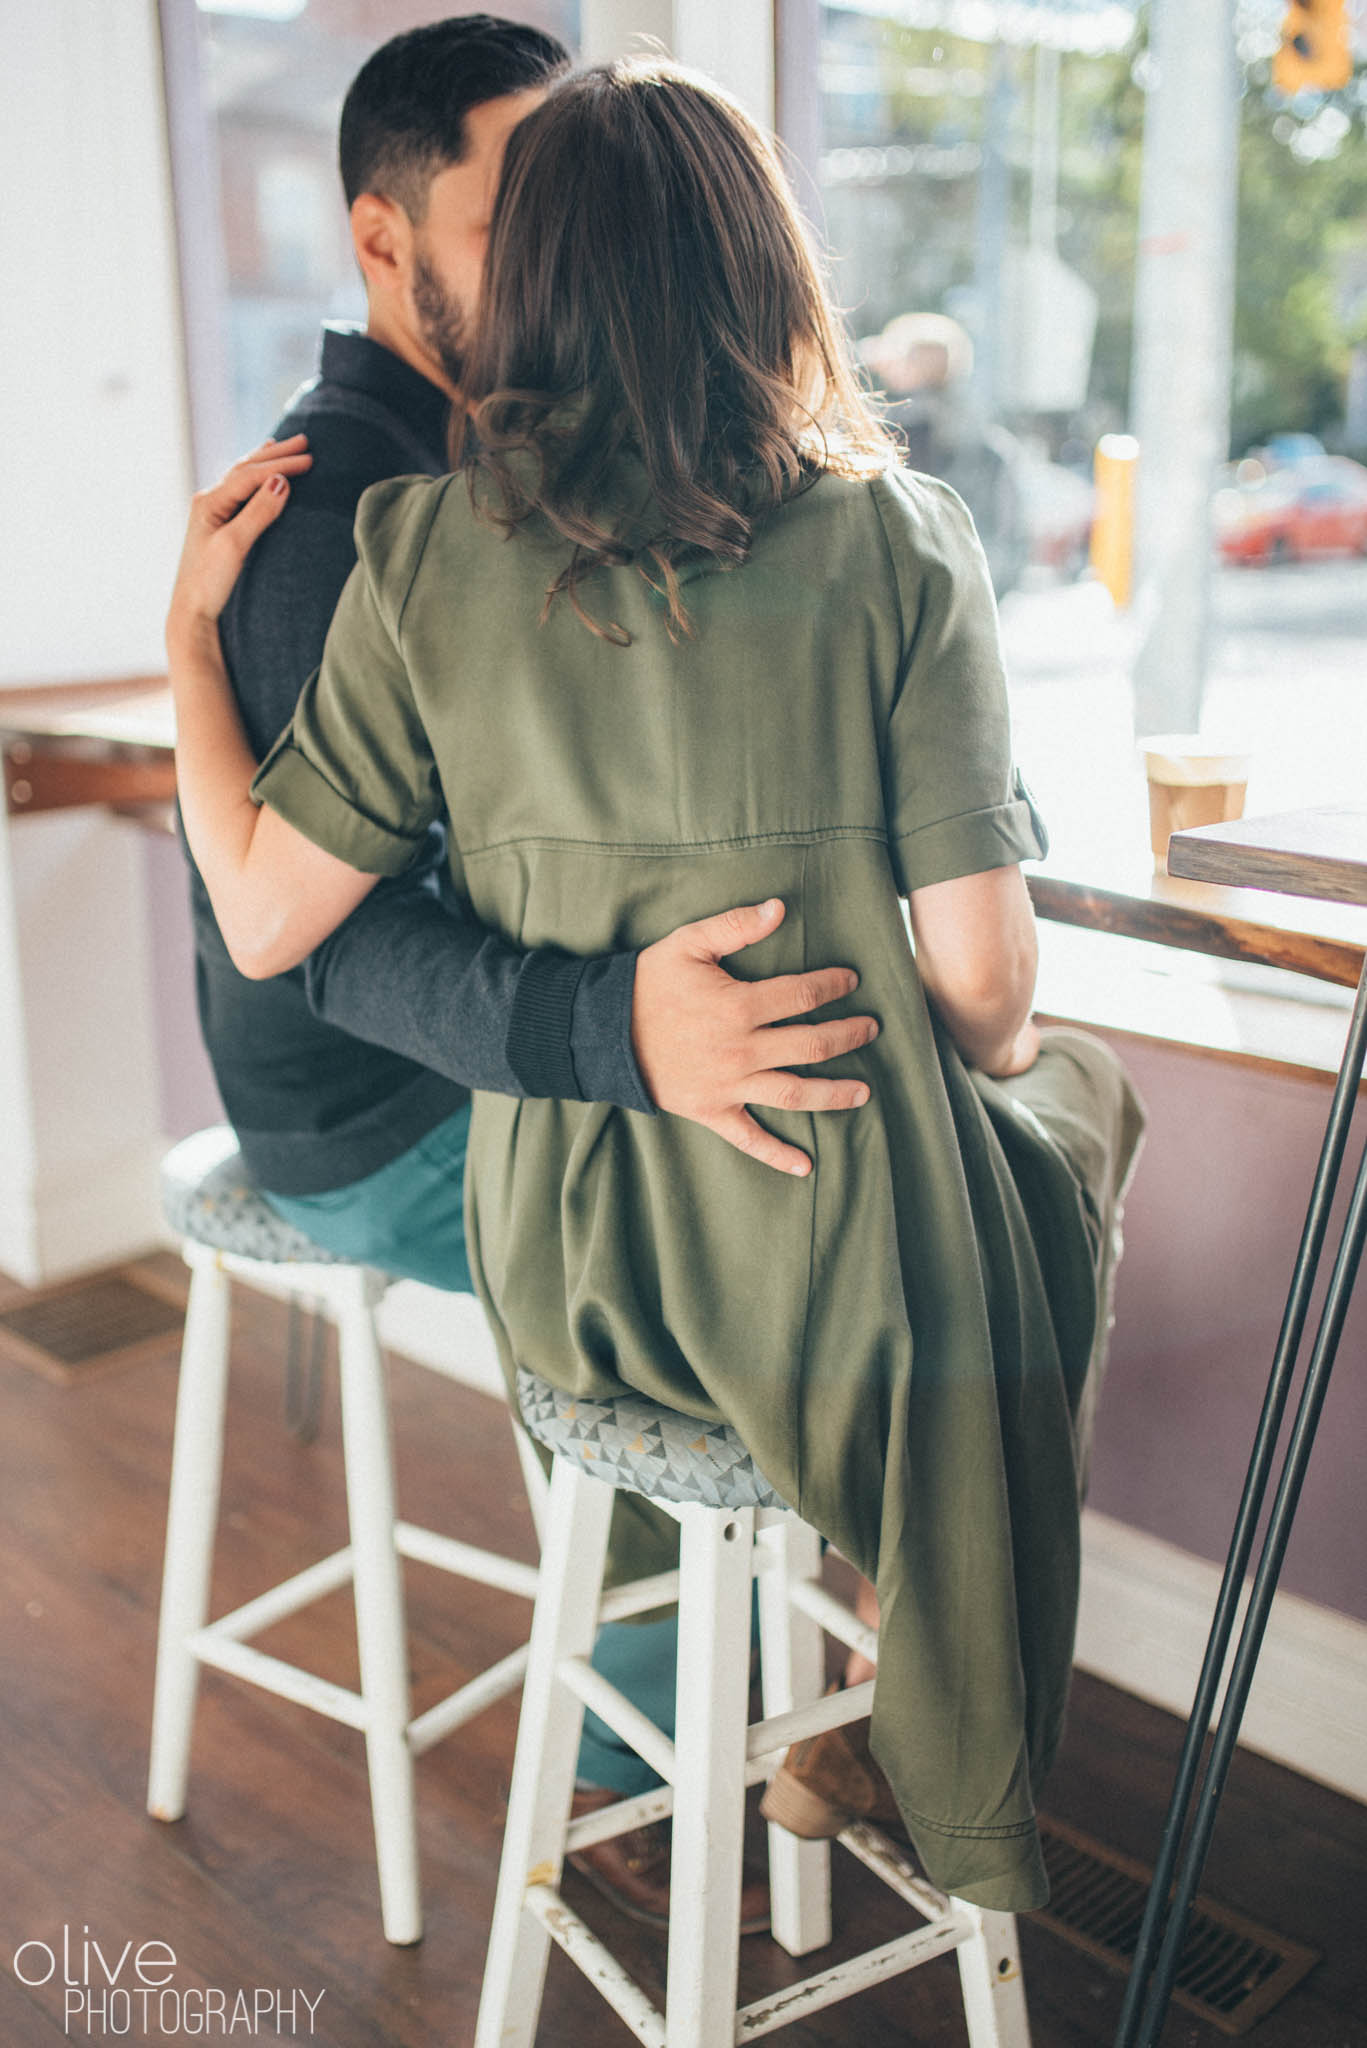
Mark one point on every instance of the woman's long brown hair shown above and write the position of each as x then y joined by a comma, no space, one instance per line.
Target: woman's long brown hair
649,291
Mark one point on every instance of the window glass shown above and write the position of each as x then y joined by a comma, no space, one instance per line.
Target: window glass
273,76
978,165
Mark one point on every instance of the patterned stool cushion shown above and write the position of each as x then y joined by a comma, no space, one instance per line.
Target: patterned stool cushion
207,1195
636,1444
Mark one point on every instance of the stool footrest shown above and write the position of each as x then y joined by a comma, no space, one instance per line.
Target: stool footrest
843,1980
462,1706
622,1716
781,1731
883,1857
646,1807
599,1965
222,1643
638,1596
466,1560
610,1821
290,1681
313,1583
833,1616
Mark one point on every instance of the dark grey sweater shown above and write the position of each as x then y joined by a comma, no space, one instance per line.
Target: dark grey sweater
334,1069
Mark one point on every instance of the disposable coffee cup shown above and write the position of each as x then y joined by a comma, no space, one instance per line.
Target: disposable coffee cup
1192,781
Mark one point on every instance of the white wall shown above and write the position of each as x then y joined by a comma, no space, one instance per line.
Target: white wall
92,403
92,421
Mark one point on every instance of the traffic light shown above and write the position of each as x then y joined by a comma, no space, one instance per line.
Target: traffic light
1314,53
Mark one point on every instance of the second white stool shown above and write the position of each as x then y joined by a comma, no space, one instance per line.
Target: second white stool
228,1230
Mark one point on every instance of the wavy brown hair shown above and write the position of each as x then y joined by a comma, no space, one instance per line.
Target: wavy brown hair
650,292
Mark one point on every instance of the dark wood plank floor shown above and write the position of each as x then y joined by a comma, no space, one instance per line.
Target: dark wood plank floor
267,1887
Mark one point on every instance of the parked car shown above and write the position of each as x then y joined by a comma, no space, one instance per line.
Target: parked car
1312,508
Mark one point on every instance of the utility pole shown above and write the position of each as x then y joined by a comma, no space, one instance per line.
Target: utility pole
1184,317
992,230
1044,151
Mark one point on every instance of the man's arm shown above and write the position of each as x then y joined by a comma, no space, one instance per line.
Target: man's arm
413,970
666,1029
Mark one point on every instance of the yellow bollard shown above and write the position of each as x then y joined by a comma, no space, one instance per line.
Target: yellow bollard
1113,523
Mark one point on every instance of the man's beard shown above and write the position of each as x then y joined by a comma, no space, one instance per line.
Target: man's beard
440,320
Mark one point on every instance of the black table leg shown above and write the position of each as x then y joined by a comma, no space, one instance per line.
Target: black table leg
1141,2019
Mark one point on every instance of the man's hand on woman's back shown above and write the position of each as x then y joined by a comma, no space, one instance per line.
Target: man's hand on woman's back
707,1045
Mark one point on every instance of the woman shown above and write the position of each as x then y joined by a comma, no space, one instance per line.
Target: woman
683,628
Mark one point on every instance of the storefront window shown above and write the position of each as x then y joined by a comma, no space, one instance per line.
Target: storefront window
267,79
978,167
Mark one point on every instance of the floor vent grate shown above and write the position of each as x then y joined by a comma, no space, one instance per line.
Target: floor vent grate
1232,1971
65,1333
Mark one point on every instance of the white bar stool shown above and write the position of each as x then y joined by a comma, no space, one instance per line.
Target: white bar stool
732,1526
228,1230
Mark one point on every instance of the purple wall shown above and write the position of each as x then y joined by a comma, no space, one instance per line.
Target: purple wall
189,1099
1211,1228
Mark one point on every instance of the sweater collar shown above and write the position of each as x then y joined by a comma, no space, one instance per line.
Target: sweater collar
352,358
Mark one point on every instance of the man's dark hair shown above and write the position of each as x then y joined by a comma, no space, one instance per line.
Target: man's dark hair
403,119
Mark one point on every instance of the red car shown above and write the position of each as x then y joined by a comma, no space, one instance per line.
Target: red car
1313,508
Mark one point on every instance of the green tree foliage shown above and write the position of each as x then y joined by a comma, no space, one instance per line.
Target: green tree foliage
1299,219
1302,214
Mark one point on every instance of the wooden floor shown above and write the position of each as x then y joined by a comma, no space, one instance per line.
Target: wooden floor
267,1888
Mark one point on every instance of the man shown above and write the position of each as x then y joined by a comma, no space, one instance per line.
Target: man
347,1080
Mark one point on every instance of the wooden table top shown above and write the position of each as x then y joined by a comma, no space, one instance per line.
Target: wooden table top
130,711
1316,853
1227,912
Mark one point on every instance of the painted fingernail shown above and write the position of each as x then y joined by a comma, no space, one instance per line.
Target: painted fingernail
277,486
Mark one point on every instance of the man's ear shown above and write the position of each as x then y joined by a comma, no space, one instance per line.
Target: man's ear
382,236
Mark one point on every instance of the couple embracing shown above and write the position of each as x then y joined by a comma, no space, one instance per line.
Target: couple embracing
674,659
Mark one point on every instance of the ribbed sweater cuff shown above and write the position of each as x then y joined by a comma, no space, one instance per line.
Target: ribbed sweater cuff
538,1044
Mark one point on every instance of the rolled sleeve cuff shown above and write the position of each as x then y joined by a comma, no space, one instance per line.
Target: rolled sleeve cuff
972,842
304,798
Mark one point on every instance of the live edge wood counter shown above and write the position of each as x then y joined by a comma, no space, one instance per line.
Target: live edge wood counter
1323,939
1318,853
70,744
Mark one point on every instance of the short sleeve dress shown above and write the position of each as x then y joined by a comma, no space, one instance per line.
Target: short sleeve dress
909,1339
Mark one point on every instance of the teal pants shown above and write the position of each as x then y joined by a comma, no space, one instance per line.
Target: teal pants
409,1219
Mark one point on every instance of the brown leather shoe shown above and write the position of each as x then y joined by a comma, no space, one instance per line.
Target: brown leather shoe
632,1870
827,1783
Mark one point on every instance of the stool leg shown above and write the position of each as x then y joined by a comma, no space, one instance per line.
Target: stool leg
191,1521
381,1635
533,1478
794,1672
991,1981
563,1625
715,1563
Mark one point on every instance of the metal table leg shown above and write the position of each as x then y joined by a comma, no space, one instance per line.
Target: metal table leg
1142,2018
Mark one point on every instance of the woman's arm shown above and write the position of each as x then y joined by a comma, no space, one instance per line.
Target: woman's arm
977,954
275,894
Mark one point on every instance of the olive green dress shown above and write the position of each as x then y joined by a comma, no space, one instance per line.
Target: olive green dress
909,1339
